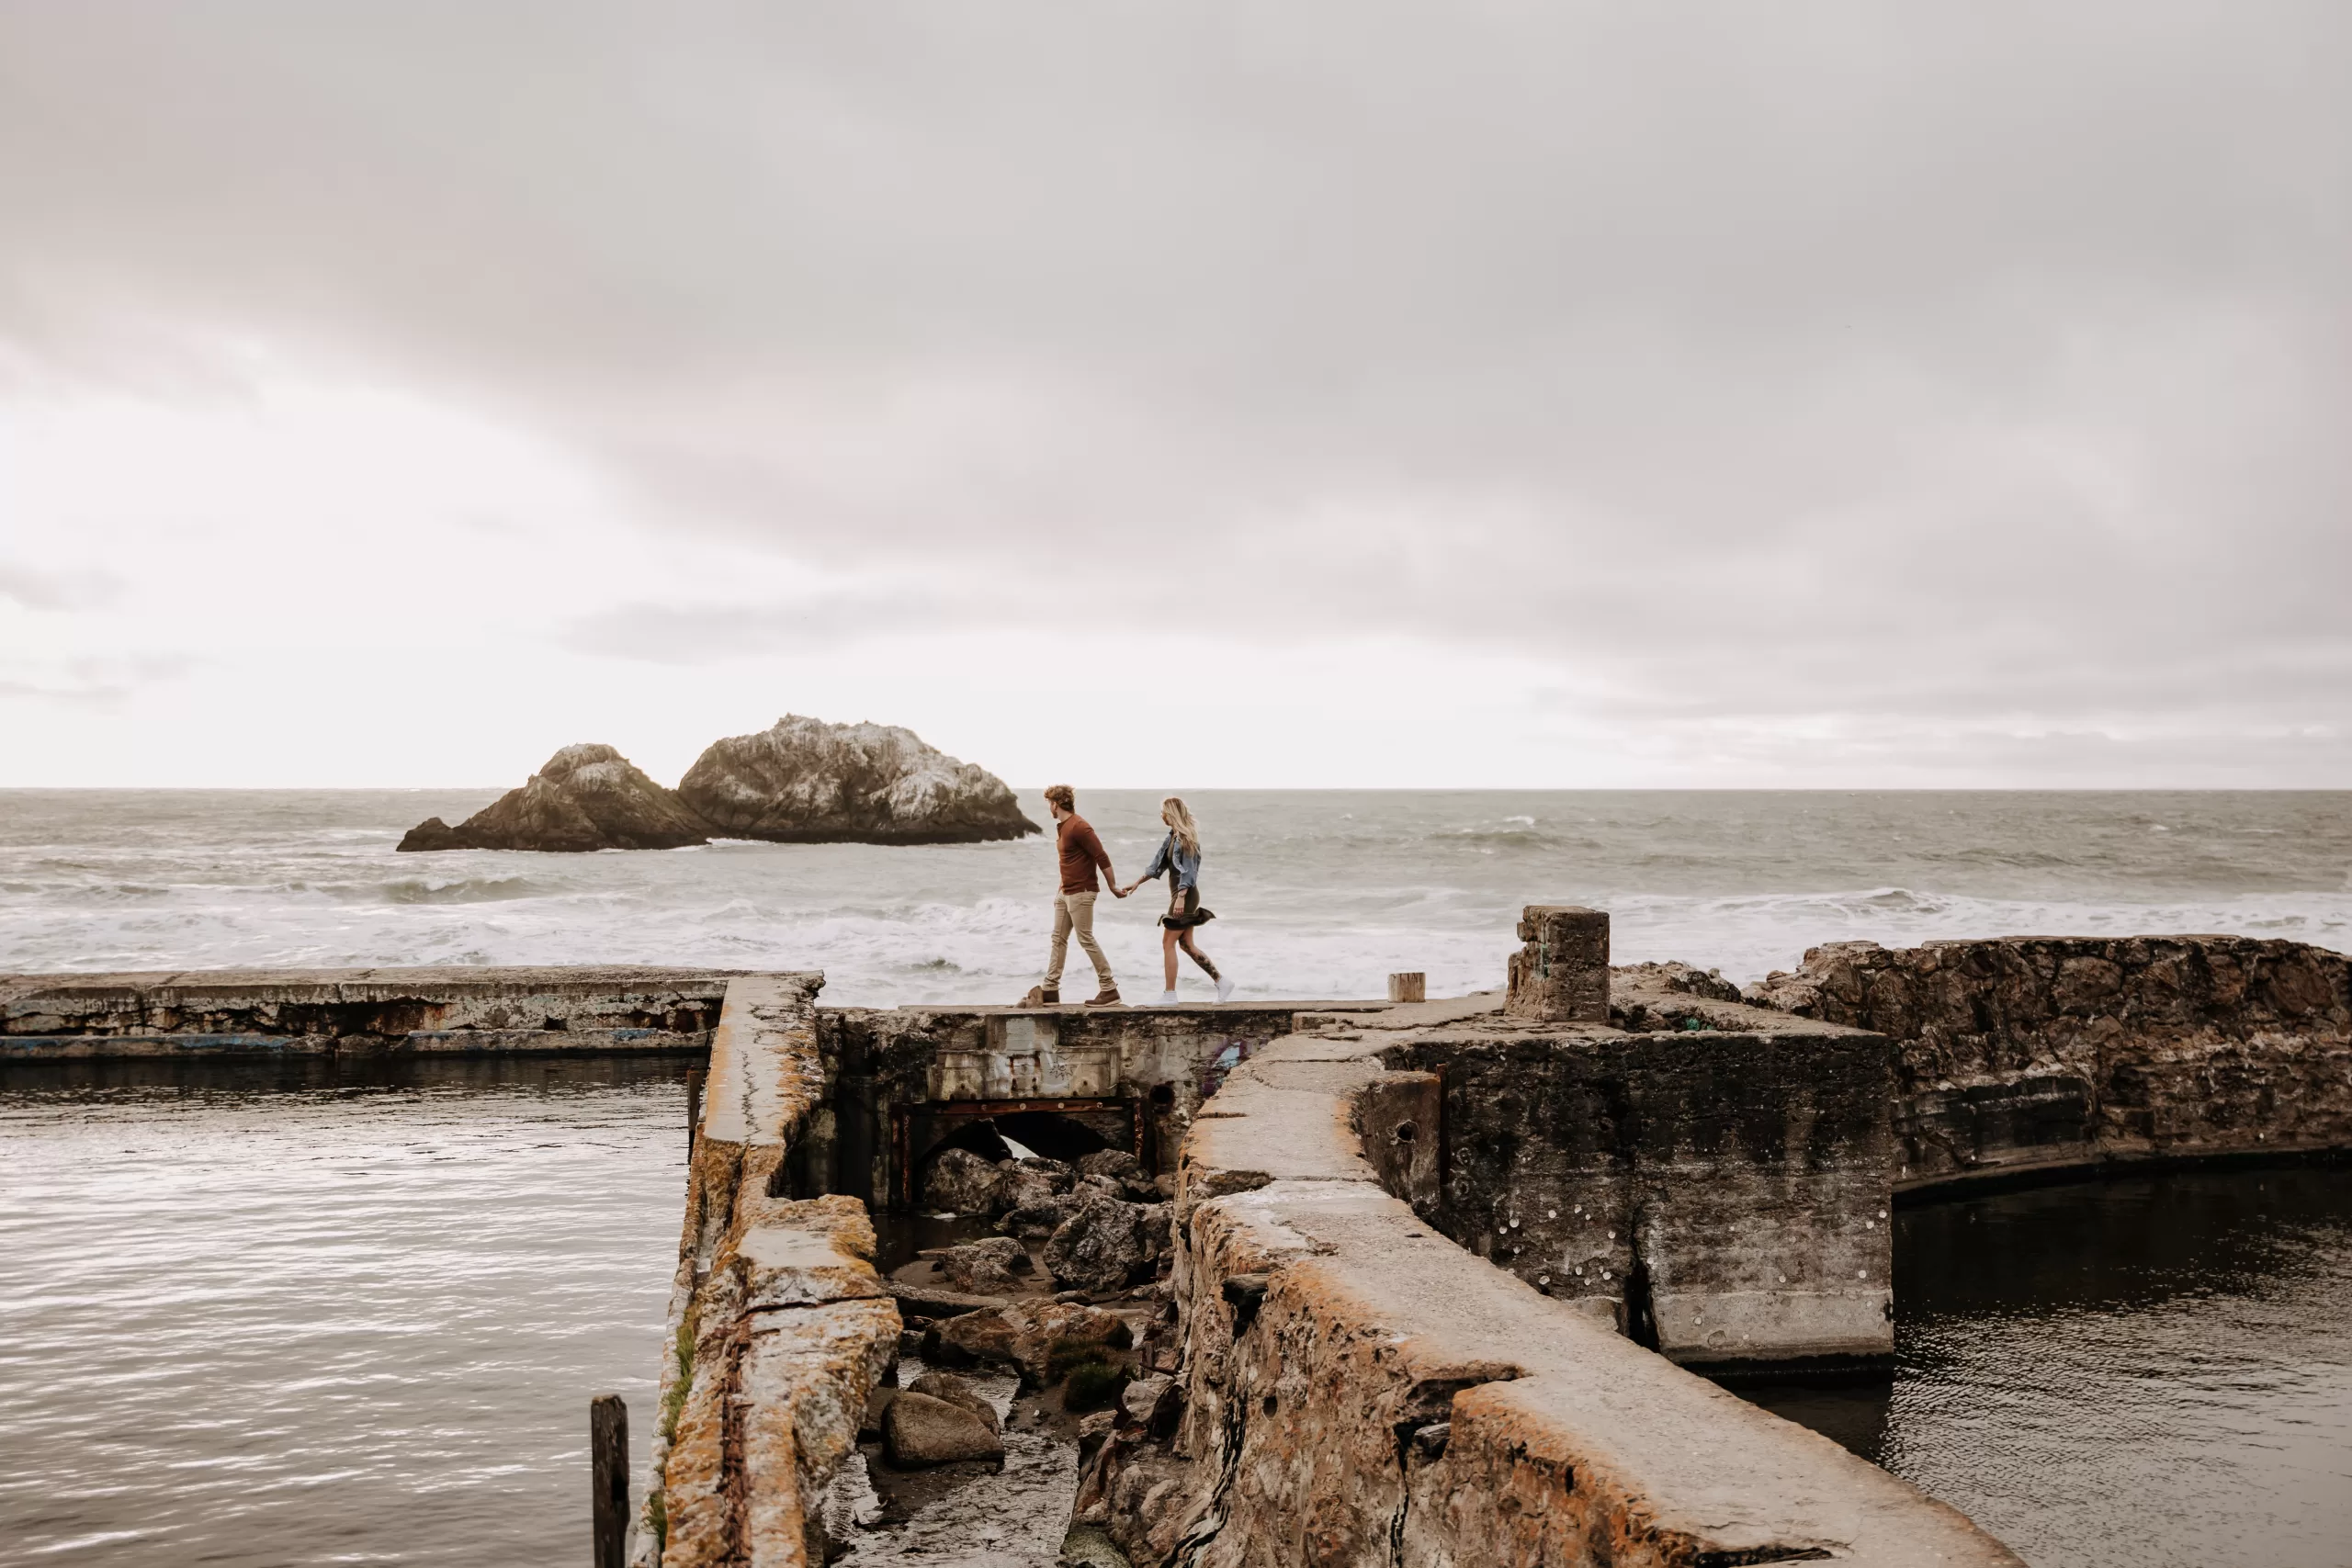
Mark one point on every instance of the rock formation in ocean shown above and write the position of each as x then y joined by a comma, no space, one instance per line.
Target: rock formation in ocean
805,780
584,797
802,782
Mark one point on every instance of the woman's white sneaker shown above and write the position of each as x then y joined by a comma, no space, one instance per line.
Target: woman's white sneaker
1224,989
1167,998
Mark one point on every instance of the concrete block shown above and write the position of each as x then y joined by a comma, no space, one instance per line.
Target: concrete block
1561,974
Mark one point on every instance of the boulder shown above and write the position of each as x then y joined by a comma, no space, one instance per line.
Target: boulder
804,781
986,1266
961,1182
1106,1245
1116,1164
1050,1338
1024,1183
1150,1402
919,1431
584,797
956,1392
973,1338
934,1300
1036,1222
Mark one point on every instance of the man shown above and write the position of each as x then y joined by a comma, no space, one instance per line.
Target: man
1081,853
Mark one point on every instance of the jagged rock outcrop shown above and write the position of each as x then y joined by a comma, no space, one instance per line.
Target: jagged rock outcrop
804,781
2018,1052
583,797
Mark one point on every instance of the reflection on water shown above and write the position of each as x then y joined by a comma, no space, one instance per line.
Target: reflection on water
284,1313
2147,1372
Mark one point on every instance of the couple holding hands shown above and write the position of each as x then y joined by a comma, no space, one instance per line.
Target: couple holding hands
1080,852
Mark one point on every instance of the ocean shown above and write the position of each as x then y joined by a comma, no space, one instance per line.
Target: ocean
1318,893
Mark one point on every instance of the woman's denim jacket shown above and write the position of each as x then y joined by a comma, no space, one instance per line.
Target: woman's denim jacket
1171,857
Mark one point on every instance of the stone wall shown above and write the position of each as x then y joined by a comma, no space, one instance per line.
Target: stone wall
780,1327
358,1011
1356,1389
2026,1056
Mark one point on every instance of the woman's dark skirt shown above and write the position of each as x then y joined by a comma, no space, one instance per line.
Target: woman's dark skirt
1184,911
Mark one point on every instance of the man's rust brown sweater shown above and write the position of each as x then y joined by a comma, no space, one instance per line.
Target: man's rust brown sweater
1081,851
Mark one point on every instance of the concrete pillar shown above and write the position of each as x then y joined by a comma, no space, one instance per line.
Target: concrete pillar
1561,974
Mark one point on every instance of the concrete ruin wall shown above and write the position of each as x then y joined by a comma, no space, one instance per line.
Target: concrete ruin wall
358,1011
2026,1056
1357,1389
780,1327
1720,1195
898,1077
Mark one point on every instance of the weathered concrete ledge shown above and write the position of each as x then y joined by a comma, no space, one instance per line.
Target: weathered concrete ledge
359,1011
2027,1059
1358,1389
780,1329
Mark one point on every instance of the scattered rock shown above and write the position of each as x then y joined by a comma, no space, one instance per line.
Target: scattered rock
928,1301
969,1340
1091,1430
961,1182
919,1431
804,781
1117,1164
956,1392
1107,1244
1151,1403
1686,979
987,1266
1050,1338
1037,1222
1087,1546
1027,1183
584,797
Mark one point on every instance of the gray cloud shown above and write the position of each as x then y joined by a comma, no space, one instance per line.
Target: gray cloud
1904,364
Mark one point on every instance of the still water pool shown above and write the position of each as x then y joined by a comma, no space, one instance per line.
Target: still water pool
278,1314
285,1313
2153,1372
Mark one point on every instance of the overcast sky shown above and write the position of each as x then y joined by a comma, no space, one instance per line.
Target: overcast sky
1821,394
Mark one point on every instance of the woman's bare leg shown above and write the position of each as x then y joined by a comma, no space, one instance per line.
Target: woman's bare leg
1184,940
1168,953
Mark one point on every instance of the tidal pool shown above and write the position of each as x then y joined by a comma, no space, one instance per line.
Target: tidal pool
274,1312
2141,1372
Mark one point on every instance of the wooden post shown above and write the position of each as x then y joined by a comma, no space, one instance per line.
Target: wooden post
608,1462
693,1107
1409,987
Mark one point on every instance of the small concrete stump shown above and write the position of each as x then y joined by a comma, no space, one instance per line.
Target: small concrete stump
1560,975
1409,987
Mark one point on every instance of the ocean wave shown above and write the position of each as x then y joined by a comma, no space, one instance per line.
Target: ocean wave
466,890
1313,901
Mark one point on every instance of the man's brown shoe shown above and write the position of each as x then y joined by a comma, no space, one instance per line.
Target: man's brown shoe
1109,998
1039,996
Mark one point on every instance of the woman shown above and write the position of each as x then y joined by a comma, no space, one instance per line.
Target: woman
1179,857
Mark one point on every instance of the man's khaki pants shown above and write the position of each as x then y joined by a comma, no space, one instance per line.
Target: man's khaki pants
1075,912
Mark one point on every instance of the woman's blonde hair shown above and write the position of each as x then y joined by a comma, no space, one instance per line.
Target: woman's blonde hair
1173,812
